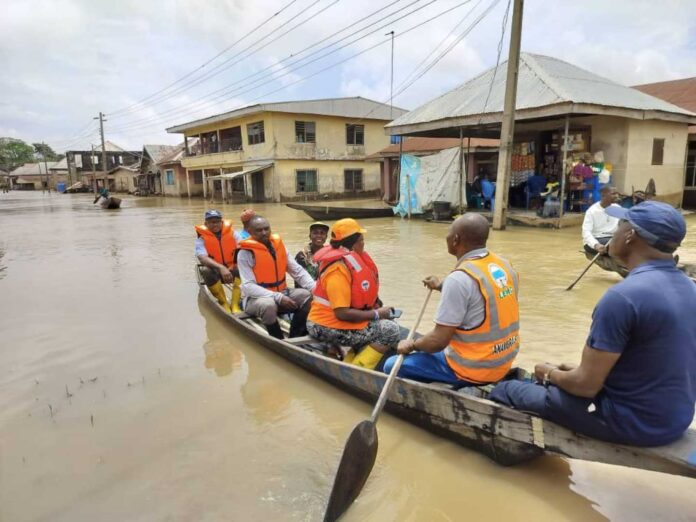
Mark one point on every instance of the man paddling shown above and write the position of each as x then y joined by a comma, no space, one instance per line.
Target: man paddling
476,334
635,383
597,229
263,263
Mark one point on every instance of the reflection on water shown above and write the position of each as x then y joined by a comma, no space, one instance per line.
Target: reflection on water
124,397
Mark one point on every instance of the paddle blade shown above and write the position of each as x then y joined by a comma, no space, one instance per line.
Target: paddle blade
356,464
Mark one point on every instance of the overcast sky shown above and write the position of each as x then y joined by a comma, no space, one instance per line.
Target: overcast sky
63,61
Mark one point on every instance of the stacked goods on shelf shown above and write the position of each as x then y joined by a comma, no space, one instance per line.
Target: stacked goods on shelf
523,161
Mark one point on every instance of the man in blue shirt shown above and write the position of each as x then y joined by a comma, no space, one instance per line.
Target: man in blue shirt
636,383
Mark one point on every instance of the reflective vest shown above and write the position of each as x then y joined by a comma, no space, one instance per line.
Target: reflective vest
269,270
364,279
485,354
220,249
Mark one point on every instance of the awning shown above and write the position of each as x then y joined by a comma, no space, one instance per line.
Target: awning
248,170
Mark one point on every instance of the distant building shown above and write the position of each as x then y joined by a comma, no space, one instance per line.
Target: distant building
175,180
84,165
150,175
34,176
681,93
288,151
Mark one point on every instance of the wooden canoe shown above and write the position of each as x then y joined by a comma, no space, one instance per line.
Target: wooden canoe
110,203
505,435
321,212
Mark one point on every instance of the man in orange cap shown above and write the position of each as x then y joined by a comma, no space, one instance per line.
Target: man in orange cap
345,309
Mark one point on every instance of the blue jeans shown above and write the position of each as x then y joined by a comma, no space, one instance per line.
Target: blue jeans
558,406
425,367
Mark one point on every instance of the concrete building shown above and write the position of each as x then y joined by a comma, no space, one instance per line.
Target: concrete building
83,163
150,175
176,182
287,151
124,178
642,137
682,93
34,176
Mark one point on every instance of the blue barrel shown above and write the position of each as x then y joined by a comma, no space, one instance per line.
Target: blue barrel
60,187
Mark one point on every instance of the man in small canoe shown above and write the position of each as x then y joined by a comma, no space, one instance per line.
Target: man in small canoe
215,246
476,334
263,263
346,310
635,383
597,229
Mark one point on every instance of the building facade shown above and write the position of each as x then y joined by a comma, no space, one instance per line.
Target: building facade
288,151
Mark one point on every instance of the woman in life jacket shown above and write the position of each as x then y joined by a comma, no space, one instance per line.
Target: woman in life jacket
345,308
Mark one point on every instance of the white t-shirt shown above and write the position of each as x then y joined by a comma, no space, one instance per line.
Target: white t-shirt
598,223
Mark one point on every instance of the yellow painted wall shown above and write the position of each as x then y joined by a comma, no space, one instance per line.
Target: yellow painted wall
669,177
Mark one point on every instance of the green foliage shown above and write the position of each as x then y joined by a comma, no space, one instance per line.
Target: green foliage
45,152
14,152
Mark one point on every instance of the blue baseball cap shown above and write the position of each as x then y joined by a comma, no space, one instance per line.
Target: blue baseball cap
213,214
659,224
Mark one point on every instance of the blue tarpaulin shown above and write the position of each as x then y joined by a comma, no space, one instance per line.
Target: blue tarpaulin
409,173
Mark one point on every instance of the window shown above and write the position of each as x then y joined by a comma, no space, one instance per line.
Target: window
658,151
355,134
231,139
305,181
255,133
197,176
238,184
690,177
304,132
170,177
353,180
209,142
394,140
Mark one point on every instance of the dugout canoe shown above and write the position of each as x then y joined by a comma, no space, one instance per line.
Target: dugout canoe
110,203
328,213
505,435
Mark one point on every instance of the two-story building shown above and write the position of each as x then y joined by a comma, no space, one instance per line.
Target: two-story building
289,150
86,165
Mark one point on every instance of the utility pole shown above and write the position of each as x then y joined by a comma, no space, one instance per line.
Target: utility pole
101,132
48,183
391,88
507,131
94,174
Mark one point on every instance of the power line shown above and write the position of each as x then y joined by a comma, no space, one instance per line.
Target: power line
260,81
222,93
203,65
220,68
497,60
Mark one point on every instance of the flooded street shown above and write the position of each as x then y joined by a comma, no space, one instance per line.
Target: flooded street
124,397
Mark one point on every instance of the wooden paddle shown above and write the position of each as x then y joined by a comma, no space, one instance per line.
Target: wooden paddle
588,267
360,451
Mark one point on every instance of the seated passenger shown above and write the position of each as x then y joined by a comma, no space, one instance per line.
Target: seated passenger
317,238
263,263
345,310
476,334
245,218
635,383
597,229
215,246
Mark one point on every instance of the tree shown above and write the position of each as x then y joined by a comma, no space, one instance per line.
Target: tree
14,152
45,152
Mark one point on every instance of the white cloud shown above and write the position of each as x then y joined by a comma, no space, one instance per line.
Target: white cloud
65,60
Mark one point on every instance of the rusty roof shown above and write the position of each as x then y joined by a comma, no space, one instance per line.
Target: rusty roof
423,146
678,92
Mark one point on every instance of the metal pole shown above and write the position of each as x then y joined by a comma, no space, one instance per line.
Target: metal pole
461,168
398,179
507,130
565,165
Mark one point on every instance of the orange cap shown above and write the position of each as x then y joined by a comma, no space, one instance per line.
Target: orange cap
247,214
343,228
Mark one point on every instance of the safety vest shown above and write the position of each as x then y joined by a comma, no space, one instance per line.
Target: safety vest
269,270
485,353
220,249
364,280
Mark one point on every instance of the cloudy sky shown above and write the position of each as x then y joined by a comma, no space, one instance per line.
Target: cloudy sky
151,64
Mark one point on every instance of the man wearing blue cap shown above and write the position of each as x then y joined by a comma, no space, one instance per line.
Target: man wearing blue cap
216,243
635,383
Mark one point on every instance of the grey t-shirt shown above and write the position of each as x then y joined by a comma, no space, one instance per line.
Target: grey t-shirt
462,304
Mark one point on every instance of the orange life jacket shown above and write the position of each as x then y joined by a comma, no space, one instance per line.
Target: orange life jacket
220,249
364,277
269,271
485,354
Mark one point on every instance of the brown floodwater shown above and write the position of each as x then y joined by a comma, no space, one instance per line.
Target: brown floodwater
124,397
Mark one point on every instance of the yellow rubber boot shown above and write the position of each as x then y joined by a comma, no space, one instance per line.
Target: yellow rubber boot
219,292
236,295
367,358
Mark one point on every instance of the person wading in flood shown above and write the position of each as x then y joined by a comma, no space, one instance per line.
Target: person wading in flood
476,334
635,383
215,247
263,263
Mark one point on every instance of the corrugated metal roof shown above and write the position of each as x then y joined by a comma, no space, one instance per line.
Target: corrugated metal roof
248,169
542,82
60,165
157,152
33,169
356,107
